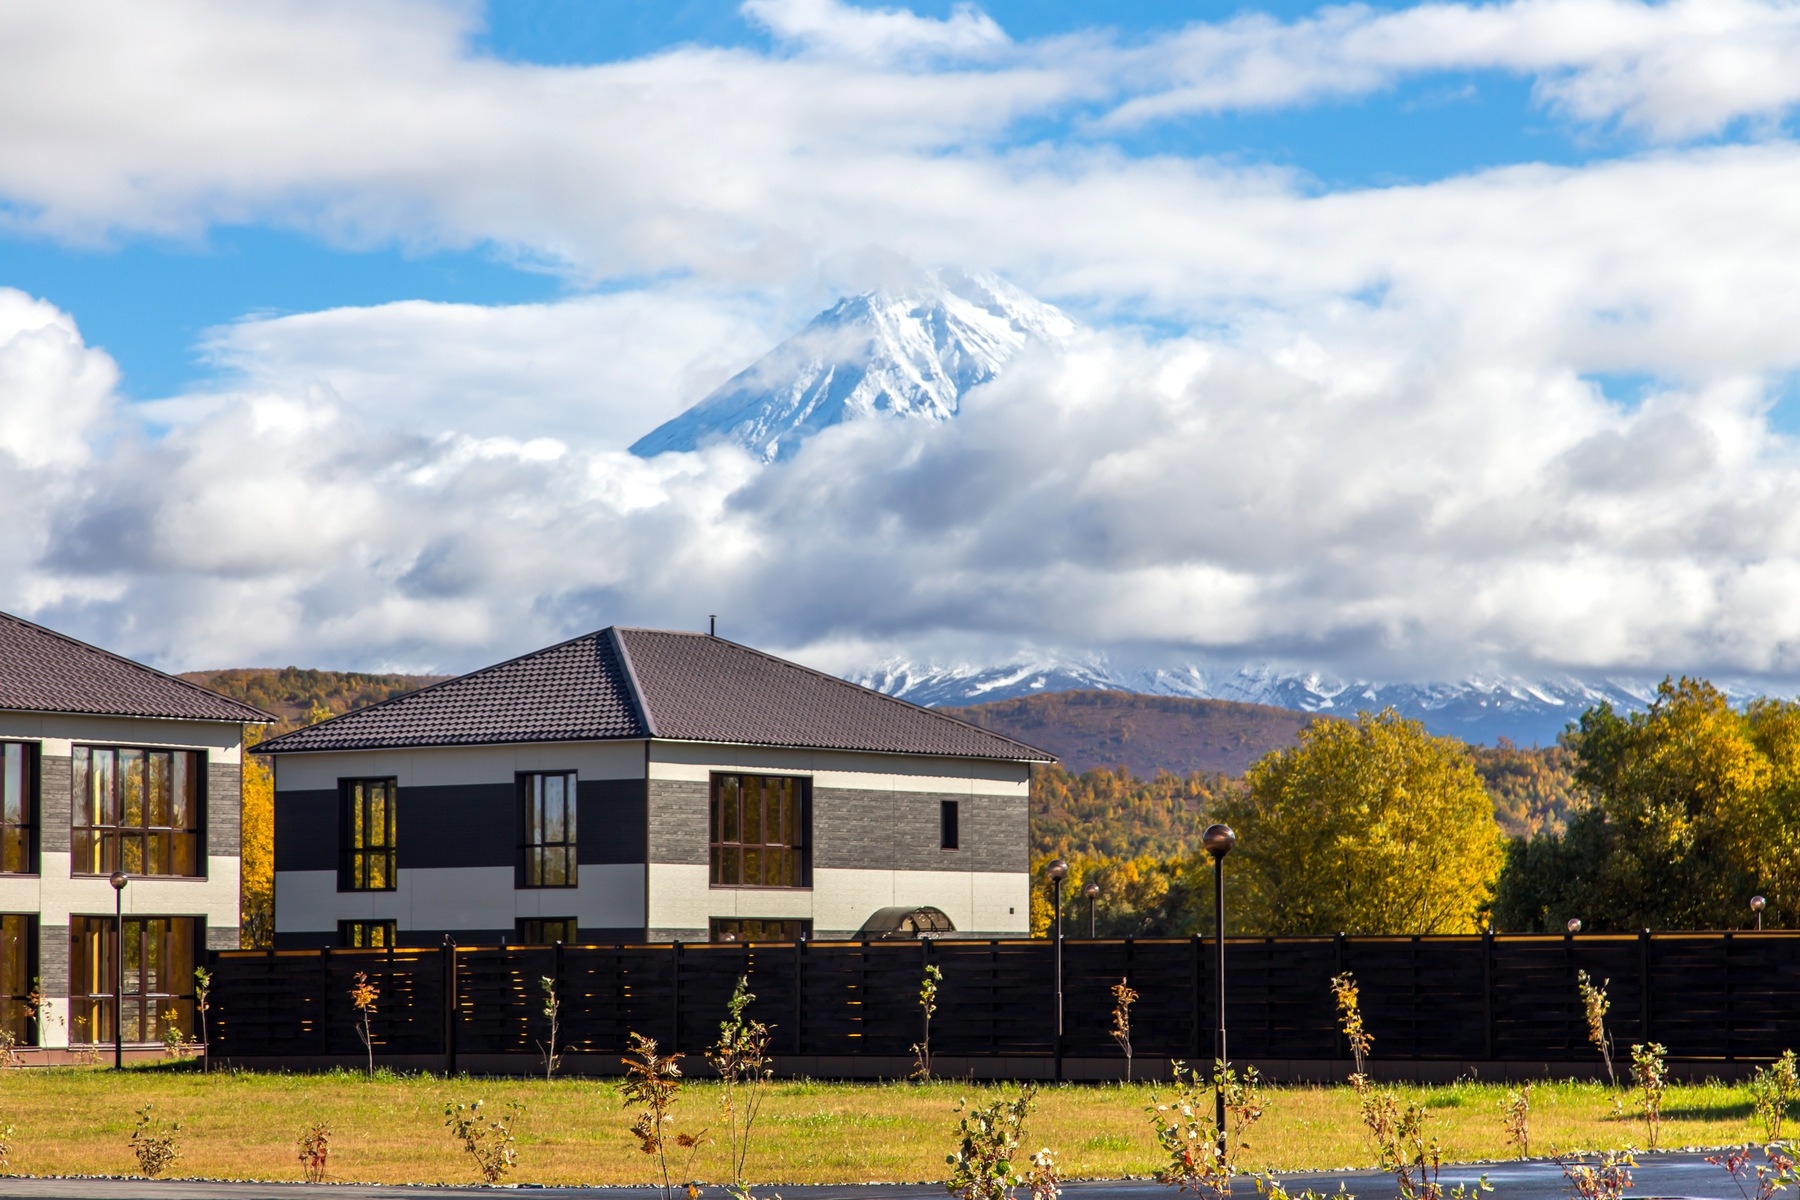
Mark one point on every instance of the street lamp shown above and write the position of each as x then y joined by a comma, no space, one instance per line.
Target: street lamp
1058,871
1092,892
1218,840
119,880
1757,904
1574,924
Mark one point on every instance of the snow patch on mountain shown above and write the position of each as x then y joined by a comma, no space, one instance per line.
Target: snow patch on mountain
912,353
1480,708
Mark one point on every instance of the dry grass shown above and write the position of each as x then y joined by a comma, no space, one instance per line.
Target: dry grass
391,1128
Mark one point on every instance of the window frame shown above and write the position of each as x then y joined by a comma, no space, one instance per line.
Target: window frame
16,987
349,853
949,825
539,851
145,1006
716,926
31,762
720,849
347,931
521,938
109,837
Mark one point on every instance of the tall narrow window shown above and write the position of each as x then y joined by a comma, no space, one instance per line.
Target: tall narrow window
18,808
760,826
366,935
158,977
369,840
136,811
18,967
949,825
547,829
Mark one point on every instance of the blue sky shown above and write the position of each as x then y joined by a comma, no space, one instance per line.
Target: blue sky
1417,339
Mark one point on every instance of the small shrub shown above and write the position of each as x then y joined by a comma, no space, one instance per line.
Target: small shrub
1594,1005
1195,1157
363,997
981,1167
552,1010
155,1143
7,1133
203,1003
1041,1181
1344,989
1404,1150
741,1057
9,1055
653,1083
1651,1074
315,1151
1772,1089
489,1143
1515,1114
1758,1181
1123,998
928,990
174,1044
1607,1180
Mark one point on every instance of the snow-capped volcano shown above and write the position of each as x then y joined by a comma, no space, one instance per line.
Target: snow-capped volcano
911,353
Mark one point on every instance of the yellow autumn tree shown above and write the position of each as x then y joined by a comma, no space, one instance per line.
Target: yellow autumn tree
256,886
1372,826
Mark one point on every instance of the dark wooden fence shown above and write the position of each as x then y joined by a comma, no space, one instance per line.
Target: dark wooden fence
851,1009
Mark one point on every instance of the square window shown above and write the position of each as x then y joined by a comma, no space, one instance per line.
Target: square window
366,935
761,828
137,811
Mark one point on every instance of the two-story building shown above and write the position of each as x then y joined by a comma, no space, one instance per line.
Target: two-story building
108,766
638,784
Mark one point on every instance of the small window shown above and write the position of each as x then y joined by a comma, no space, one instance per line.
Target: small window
544,931
760,827
369,835
366,935
757,929
136,811
18,808
547,829
949,833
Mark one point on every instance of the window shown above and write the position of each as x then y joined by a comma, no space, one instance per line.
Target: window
759,831
368,862
18,967
136,811
547,829
366,935
949,831
544,931
18,808
159,977
757,929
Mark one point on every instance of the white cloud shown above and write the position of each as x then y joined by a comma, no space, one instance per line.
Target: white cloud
881,34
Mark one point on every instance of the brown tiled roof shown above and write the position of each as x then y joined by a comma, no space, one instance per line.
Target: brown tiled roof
44,671
645,683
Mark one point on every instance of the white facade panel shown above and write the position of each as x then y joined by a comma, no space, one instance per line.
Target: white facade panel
610,895
840,900
441,765
223,741
695,762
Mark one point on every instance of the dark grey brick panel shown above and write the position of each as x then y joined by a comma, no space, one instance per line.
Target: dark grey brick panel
222,937
679,812
55,779
610,820
53,959
899,831
224,809
306,830
458,825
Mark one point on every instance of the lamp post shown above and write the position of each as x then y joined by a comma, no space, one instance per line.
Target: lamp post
119,880
1218,840
1092,892
1757,904
1057,872
1574,924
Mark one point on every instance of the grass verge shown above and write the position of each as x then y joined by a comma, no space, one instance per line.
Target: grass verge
390,1129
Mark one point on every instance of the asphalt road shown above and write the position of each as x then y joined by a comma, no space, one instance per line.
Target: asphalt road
1657,1175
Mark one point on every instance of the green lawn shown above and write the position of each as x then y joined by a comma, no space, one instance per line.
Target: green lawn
390,1129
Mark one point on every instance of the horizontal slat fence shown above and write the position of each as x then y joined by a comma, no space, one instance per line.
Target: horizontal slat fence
1708,997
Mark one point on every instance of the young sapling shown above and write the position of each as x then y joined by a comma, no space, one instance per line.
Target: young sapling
489,1143
552,1010
928,990
1650,1073
1123,998
741,1057
363,997
1594,1006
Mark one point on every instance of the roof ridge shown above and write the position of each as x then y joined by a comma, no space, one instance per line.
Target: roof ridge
842,682
638,697
442,683
260,718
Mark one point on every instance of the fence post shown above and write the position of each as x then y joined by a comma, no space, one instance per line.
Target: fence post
447,971
675,999
1487,994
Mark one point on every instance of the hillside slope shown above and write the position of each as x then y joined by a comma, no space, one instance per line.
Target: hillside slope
1144,734
301,696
